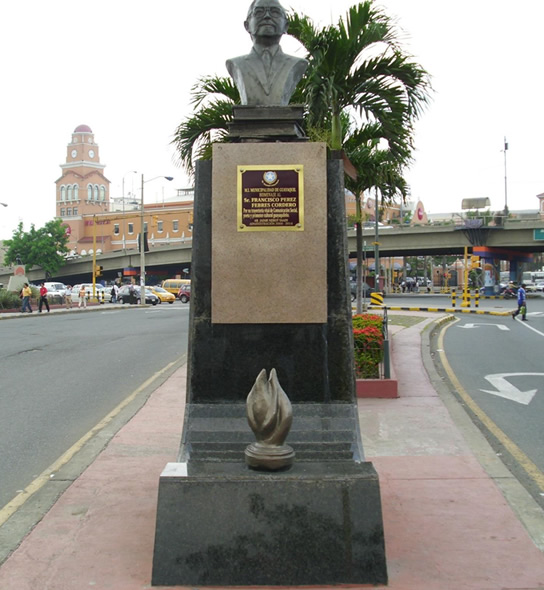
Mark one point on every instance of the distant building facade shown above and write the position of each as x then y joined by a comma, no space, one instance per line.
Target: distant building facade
92,216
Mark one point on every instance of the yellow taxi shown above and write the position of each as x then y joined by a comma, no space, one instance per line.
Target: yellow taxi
163,294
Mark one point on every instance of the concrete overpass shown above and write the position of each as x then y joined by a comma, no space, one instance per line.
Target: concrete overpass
435,240
424,240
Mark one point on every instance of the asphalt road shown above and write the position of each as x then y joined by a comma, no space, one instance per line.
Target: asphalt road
61,374
500,365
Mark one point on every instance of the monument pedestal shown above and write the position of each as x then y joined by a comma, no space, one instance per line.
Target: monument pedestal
270,291
224,525
257,124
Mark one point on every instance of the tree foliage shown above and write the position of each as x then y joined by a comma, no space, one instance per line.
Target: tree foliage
44,247
358,65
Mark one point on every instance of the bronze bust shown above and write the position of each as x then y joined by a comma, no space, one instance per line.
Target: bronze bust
266,76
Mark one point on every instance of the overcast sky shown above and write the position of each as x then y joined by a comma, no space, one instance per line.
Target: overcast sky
125,68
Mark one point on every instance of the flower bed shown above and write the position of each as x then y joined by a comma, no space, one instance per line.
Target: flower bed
368,341
368,345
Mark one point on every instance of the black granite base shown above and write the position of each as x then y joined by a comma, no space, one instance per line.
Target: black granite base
222,524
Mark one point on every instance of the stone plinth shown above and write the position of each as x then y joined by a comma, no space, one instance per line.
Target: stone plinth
264,124
221,524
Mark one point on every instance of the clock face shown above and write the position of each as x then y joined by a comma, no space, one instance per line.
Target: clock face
74,153
91,153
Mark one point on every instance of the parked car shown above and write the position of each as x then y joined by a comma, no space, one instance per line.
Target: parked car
56,289
173,285
125,296
103,295
184,293
530,287
366,290
540,286
163,294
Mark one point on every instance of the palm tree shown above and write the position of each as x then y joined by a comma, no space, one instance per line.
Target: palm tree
212,98
358,66
377,168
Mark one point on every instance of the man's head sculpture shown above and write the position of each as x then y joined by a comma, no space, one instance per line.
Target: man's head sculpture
266,76
266,19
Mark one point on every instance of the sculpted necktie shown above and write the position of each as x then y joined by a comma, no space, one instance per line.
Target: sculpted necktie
267,60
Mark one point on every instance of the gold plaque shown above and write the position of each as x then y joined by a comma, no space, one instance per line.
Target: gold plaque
270,198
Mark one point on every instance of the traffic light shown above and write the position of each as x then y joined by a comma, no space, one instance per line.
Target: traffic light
475,262
154,220
98,270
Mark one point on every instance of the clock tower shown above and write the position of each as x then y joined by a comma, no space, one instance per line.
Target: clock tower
82,189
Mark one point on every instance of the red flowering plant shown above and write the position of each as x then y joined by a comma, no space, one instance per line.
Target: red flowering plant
368,345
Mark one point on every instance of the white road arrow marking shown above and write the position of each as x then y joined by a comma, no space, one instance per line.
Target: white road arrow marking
508,391
500,326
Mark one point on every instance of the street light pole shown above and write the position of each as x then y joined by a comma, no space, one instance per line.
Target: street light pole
142,240
505,181
124,220
142,249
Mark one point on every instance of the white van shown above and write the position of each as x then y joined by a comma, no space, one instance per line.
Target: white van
56,288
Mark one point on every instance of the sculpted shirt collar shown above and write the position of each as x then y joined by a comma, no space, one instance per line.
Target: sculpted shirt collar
273,50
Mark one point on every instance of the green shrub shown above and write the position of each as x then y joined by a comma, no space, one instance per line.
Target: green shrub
368,345
9,299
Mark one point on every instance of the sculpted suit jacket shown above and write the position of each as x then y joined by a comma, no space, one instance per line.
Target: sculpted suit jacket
259,89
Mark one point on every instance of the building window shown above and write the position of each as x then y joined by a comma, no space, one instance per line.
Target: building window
116,229
68,212
159,227
76,192
62,212
63,193
95,191
75,211
69,192
90,192
175,225
102,192
145,226
130,228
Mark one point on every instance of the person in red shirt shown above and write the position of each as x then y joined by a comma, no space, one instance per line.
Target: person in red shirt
43,298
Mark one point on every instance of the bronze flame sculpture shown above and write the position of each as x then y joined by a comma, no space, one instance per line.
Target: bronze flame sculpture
270,415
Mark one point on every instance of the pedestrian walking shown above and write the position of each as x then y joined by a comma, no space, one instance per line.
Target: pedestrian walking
522,304
26,293
68,296
43,298
82,297
113,293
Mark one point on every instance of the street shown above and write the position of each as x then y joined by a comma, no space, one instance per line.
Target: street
61,374
498,363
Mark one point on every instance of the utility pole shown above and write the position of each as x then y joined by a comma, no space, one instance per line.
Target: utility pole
505,181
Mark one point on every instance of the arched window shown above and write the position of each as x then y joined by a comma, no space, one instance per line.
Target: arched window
90,192
76,192
63,193
69,192
102,192
95,191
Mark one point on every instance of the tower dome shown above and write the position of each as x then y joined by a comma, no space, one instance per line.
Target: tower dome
83,129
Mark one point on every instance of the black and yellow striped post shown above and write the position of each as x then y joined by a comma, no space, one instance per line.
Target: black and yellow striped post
477,298
453,296
376,298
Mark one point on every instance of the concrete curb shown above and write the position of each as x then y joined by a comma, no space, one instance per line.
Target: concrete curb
441,310
107,306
